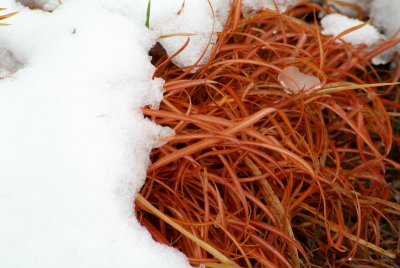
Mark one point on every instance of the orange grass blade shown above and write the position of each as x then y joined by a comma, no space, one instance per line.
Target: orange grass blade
202,244
334,227
350,87
278,209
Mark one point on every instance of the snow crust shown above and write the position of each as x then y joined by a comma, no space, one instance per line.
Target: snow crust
74,144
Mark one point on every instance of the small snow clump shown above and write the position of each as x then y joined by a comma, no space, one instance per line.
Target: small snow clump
294,81
196,22
335,24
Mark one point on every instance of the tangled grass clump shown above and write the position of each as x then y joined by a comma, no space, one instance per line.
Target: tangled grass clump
258,177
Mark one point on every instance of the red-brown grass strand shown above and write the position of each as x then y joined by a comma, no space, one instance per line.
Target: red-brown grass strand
266,178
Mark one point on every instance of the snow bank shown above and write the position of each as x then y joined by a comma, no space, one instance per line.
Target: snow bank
74,144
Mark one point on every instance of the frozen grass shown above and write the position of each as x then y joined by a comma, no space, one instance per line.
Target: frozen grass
265,178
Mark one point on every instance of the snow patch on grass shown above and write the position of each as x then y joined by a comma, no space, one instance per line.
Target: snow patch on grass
335,24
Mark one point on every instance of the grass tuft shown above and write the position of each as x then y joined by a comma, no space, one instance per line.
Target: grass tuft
264,177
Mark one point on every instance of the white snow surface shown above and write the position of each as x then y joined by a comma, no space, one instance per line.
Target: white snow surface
251,6
74,144
335,24
196,20
385,15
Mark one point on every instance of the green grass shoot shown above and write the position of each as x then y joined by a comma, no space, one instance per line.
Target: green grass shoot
148,14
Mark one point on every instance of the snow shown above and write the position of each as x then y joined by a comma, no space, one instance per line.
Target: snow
194,20
74,144
335,24
251,6
8,64
295,81
386,16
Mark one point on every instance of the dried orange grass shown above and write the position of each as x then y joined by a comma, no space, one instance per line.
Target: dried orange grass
6,16
258,178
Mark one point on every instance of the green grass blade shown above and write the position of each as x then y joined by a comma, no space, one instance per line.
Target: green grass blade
148,14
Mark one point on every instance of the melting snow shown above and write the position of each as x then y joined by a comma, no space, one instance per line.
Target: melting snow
295,81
